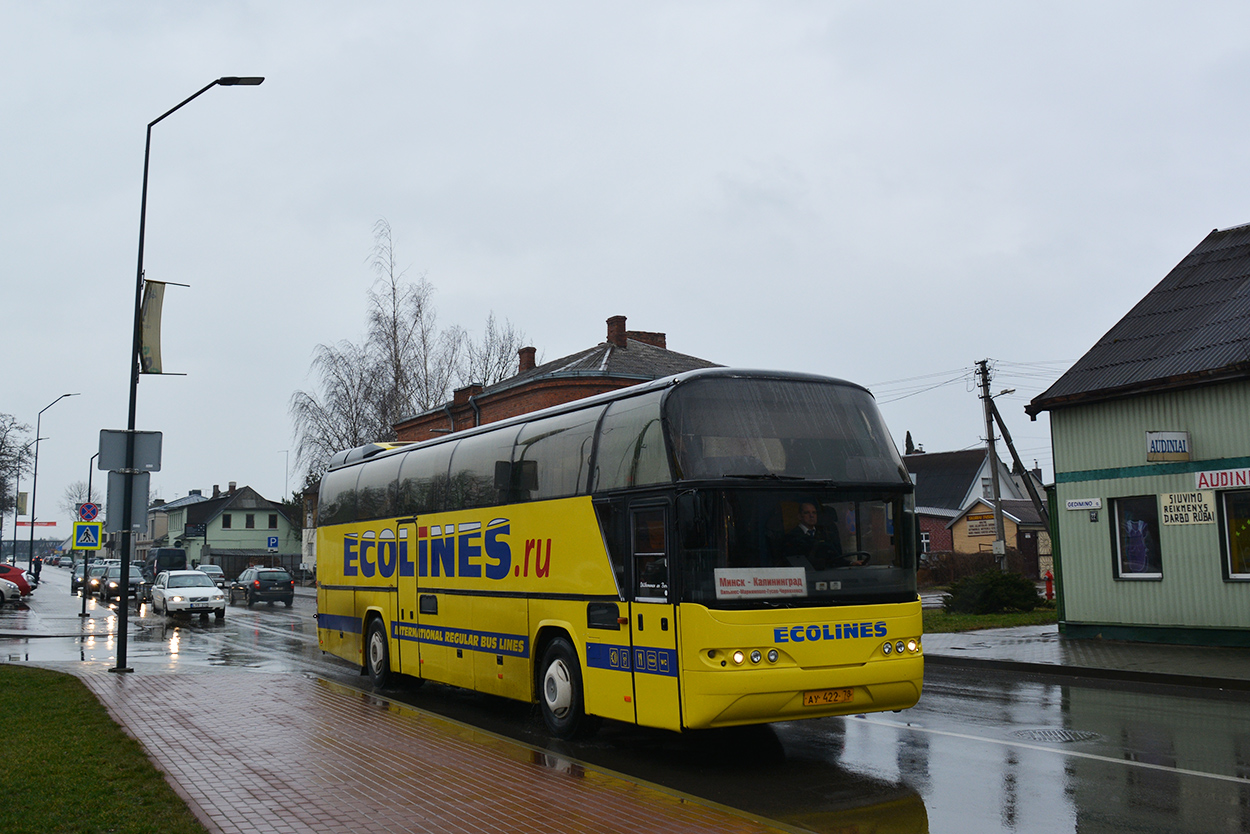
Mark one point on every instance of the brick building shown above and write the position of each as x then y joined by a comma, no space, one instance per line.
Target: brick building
626,358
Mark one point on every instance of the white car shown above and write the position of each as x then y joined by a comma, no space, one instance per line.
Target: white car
187,592
9,592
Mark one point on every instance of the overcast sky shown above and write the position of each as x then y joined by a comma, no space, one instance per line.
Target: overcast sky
884,192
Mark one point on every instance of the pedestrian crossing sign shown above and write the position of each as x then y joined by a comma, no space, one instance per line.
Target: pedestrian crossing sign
87,535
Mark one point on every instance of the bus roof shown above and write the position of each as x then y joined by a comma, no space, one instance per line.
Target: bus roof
369,451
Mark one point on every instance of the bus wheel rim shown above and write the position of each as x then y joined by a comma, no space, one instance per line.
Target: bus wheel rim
558,689
375,651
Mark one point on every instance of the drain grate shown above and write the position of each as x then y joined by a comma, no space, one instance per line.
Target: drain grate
1058,736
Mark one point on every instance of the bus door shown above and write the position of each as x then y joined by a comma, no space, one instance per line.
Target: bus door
407,651
653,620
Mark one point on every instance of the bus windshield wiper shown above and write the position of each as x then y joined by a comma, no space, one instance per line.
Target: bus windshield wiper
771,476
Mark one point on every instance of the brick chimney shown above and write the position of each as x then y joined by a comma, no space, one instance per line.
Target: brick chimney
233,486
461,395
527,359
616,331
216,491
655,339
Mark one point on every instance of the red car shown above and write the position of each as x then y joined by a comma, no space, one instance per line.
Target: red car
15,575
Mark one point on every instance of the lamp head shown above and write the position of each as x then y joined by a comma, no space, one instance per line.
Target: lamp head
236,81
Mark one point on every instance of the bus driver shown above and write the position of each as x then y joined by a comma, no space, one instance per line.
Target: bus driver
820,546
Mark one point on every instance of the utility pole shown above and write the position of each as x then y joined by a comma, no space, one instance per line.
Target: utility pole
1000,535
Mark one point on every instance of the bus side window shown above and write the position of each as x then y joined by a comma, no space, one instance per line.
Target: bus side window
610,518
650,554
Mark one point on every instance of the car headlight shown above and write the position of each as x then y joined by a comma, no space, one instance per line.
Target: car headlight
218,597
175,599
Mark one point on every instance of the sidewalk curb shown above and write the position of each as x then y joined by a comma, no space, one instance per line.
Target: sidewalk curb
1092,672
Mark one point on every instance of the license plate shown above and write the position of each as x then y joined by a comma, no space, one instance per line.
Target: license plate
825,697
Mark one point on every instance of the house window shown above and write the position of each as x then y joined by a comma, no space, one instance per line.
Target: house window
1236,534
924,542
273,521
1136,538
225,521
249,521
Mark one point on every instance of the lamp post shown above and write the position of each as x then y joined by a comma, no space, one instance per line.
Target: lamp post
136,362
85,570
34,485
17,491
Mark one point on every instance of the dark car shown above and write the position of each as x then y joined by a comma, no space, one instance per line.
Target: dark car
95,572
75,579
110,583
267,584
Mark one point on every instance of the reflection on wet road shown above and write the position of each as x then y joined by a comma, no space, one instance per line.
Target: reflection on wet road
981,753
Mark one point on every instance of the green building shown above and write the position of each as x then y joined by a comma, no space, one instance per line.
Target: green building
234,529
1151,437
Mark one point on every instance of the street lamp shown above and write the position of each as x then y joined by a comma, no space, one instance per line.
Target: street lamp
17,491
136,360
34,486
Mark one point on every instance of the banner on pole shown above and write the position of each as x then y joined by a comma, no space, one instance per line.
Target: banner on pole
153,300
21,503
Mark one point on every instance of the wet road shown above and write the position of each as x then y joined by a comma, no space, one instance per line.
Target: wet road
981,753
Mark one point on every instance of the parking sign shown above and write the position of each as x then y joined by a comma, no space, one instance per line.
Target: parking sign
272,544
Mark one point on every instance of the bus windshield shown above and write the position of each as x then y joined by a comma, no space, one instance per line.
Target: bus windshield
753,547
780,429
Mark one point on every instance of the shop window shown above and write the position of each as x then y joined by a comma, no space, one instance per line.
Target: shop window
1136,538
1236,534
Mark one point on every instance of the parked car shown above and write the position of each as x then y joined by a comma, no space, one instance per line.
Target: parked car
9,592
110,583
18,577
94,574
267,584
215,573
187,592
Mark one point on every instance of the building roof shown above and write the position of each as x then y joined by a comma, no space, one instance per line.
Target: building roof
1019,510
943,478
1193,328
629,355
243,498
637,360
186,500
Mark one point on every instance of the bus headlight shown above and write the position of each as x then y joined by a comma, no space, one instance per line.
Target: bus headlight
913,645
739,657
772,655
899,647
756,657
887,648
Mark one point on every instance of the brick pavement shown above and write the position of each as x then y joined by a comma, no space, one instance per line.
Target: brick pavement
258,752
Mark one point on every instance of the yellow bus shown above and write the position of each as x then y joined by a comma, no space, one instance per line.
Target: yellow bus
716,548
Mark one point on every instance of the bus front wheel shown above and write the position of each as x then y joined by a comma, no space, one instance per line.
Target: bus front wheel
564,710
378,655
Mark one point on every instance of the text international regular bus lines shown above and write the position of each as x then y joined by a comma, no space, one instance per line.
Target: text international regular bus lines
716,548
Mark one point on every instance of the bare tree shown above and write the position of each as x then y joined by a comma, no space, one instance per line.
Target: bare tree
15,458
406,365
75,494
494,357
420,360
345,411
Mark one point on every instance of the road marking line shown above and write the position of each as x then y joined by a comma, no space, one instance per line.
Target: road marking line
1074,753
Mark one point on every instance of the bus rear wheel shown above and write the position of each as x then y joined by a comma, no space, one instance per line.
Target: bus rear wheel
564,708
378,655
